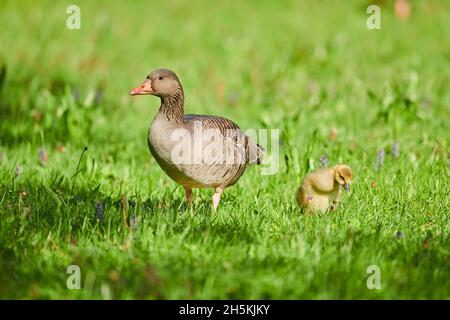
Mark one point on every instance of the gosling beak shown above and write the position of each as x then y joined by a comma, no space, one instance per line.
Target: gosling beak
346,187
144,88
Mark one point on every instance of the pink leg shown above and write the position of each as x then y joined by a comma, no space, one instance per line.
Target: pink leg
216,197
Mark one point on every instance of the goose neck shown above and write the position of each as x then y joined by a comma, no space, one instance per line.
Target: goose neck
172,106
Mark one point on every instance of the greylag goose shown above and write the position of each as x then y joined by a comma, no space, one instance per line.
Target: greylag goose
322,186
196,151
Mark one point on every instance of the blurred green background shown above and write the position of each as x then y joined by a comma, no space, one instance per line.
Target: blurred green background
309,68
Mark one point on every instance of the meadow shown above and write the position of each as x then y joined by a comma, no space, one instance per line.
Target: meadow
78,185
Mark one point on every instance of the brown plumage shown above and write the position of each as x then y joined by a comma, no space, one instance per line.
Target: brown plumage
196,151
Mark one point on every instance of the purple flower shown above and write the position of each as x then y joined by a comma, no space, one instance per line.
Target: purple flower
43,157
426,103
98,96
75,94
395,150
99,214
18,171
380,159
399,234
233,98
134,225
323,161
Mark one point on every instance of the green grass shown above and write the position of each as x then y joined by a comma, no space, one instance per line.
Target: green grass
307,69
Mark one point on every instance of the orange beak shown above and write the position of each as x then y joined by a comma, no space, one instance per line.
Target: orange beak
144,88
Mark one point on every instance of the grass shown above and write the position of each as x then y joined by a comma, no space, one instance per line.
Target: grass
312,70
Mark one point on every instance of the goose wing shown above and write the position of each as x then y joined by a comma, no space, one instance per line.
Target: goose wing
232,133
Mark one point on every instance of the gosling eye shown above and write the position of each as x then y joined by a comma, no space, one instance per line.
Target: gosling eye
161,77
148,77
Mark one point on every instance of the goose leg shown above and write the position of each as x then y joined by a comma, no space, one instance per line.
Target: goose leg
189,195
216,197
189,198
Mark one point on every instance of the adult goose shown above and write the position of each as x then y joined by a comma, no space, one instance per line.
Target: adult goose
196,151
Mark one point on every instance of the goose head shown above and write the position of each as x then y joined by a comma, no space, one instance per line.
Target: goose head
161,83
343,175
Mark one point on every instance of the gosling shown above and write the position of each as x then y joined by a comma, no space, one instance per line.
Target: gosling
321,187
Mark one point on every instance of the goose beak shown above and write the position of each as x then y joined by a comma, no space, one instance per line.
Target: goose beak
346,187
143,89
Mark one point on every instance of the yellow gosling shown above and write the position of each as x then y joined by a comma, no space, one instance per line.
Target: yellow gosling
321,187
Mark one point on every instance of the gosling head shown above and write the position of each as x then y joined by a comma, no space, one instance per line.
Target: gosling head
343,175
161,83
